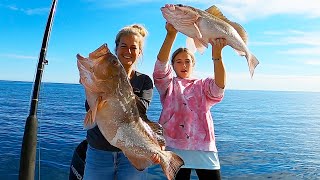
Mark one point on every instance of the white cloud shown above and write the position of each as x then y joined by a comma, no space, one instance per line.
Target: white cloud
252,9
312,51
263,43
243,10
292,36
307,43
13,8
313,62
29,11
119,3
16,56
273,82
242,81
303,38
35,11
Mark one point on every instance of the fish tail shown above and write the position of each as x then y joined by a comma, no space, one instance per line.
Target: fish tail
171,165
252,63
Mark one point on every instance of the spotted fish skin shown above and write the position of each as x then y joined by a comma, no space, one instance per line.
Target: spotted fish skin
201,26
113,109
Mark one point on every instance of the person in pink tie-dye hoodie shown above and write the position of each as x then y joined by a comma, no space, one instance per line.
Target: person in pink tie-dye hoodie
186,102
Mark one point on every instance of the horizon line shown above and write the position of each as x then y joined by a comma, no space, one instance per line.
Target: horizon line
232,89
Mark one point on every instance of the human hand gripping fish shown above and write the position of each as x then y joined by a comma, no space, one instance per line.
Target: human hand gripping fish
113,109
201,26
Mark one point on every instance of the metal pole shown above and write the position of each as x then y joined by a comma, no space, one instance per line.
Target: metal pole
29,143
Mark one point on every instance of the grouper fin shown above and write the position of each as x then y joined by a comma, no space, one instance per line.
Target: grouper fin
139,163
89,122
190,45
241,31
158,130
199,34
171,165
200,45
102,50
90,119
252,63
215,11
195,44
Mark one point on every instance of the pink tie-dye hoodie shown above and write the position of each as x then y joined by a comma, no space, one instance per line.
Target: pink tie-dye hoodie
186,104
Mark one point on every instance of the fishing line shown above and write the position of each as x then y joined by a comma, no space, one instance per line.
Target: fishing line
40,117
41,103
139,63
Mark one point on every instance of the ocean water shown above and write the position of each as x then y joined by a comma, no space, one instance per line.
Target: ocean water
260,134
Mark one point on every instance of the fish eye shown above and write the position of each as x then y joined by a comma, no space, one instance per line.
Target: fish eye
113,59
180,5
115,62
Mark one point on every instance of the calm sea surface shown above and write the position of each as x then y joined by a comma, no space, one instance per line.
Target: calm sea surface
260,134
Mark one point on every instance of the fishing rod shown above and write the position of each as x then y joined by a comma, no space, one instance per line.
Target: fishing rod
29,143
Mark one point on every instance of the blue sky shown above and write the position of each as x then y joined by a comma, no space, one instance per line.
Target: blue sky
284,35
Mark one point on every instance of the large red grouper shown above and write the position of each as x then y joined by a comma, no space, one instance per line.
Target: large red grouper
113,109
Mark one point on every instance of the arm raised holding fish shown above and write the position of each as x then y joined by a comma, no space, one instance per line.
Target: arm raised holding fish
219,70
164,52
186,101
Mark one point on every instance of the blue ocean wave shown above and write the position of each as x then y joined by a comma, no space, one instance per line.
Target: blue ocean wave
260,134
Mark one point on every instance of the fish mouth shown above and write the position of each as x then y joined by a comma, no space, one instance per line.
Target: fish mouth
168,9
179,14
101,71
169,6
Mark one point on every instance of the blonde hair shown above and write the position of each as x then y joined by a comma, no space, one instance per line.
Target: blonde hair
179,50
134,29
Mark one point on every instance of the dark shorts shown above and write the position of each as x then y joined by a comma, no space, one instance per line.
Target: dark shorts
78,161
